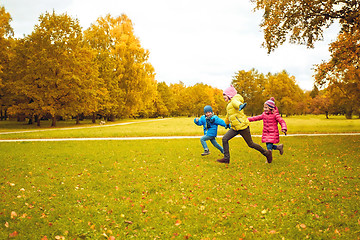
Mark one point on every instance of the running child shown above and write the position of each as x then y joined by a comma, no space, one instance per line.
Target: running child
239,123
271,118
210,123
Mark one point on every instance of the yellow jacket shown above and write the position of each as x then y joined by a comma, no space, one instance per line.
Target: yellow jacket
236,118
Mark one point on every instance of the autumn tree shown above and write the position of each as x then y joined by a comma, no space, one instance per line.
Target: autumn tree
165,102
137,74
322,103
303,22
342,71
288,95
129,78
53,70
251,85
6,32
100,38
201,95
219,102
182,99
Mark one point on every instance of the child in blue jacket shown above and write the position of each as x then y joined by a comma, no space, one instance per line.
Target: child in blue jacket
210,123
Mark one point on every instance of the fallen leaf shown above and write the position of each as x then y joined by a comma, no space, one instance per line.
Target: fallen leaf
13,215
6,224
302,225
178,222
14,234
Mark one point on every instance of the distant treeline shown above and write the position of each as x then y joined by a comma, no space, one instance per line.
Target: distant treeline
62,72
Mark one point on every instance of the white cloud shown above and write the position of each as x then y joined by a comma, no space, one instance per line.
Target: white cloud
189,41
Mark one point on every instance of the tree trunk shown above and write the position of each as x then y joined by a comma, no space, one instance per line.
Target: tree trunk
348,114
53,122
327,114
21,117
77,119
111,118
94,117
30,120
37,119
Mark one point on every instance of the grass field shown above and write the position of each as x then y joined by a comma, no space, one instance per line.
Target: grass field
166,127
164,189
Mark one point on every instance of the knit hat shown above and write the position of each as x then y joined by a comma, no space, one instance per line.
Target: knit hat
230,92
270,103
208,109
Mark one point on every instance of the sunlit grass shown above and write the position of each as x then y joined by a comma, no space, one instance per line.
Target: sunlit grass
170,127
163,189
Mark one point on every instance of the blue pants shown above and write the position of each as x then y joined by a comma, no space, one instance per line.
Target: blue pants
271,146
213,141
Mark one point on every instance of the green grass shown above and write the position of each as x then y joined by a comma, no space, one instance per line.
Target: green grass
163,189
168,127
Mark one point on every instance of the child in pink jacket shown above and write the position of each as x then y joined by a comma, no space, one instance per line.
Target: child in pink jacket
271,118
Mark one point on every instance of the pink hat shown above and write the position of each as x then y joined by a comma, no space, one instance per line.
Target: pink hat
230,92
270,103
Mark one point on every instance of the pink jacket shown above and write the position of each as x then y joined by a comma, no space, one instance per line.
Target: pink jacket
270,129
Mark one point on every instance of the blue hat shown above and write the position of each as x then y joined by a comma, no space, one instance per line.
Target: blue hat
208,109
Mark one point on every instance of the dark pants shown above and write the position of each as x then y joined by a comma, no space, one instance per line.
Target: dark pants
245,133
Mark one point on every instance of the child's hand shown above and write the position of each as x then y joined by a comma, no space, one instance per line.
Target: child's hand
284,131
227,126
196,119
242,106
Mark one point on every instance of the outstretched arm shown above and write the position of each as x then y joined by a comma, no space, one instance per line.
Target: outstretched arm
219,121
256,118
198,121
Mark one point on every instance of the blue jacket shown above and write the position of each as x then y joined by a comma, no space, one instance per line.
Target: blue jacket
211,128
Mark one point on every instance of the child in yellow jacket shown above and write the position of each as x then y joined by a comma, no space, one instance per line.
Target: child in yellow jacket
239,125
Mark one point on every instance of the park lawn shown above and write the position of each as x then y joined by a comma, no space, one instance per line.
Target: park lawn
182,126
164,189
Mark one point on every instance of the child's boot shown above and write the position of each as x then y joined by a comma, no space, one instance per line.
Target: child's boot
280,147
268,155
206,152
223,160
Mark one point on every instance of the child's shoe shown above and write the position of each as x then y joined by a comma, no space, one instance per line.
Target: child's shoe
206,152
268,155
280,147
223,160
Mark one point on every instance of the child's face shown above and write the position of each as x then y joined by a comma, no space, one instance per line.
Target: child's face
266,108
226,98
208,114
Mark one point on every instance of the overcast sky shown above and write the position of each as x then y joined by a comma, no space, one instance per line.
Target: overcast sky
193,41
